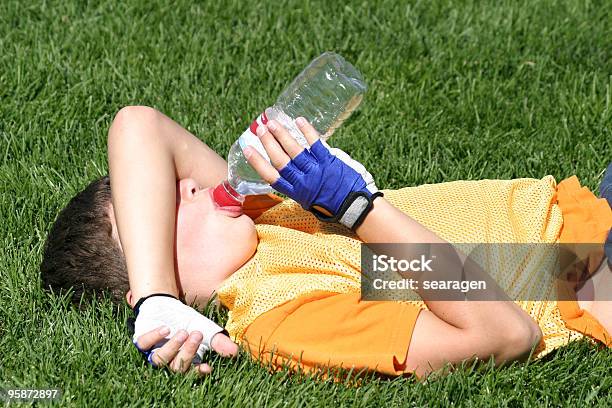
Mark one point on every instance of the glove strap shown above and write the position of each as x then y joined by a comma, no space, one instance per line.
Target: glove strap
141,300
353,210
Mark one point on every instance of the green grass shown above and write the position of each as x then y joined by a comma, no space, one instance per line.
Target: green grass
458,90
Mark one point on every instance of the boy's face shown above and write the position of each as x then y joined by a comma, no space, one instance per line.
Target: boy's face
211,242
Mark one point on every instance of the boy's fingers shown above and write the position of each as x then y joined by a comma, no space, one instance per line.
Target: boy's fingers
182,361
261,165
277,155
309,132
166,353
149,339
289,144
223,345
203,369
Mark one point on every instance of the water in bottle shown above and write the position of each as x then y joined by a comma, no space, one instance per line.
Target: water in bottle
325,93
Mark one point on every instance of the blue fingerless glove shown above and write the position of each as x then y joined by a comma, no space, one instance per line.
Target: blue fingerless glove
329,179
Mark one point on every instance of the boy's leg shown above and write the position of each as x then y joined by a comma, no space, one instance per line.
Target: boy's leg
605,191
599,285
599,288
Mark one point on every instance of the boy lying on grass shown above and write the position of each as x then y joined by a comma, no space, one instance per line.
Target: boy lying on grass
291,282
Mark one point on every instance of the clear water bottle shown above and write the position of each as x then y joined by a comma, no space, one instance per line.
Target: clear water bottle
325,93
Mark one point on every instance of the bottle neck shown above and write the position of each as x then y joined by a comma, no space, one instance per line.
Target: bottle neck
225,195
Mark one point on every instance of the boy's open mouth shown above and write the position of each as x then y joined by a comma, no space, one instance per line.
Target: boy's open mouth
229,210
232,211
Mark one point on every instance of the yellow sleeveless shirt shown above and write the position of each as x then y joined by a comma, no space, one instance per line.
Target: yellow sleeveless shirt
297,254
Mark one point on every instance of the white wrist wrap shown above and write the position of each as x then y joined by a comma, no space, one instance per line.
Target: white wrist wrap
159,311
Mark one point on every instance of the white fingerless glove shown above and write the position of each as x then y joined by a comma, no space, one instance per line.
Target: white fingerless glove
164,310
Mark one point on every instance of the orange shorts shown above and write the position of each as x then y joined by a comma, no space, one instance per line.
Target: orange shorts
327,330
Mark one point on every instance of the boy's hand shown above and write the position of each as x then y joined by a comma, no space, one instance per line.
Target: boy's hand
322,180
179,352
170,333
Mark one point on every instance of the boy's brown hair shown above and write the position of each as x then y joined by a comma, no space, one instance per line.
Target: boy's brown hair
81,254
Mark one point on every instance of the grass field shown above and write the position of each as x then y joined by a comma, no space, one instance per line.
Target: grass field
458,90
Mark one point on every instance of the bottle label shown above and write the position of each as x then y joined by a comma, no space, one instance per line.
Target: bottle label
250,138
260,120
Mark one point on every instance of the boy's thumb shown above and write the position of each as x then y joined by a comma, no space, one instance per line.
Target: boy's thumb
223,345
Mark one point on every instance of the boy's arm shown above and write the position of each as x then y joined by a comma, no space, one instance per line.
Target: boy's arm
147,154
450,331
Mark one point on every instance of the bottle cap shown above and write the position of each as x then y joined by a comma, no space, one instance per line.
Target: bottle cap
225,196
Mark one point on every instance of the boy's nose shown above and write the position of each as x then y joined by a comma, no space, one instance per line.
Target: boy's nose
187,189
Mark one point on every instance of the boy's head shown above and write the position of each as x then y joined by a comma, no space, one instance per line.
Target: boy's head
83,250
81,253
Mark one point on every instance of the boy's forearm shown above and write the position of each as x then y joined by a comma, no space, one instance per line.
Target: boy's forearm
387,224
144,199
147,153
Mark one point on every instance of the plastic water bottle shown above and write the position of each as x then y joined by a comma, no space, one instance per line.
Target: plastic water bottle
325,93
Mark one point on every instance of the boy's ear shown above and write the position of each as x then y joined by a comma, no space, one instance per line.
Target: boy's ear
129,298
187,189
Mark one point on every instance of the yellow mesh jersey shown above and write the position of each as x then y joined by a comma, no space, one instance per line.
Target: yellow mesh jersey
297,254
